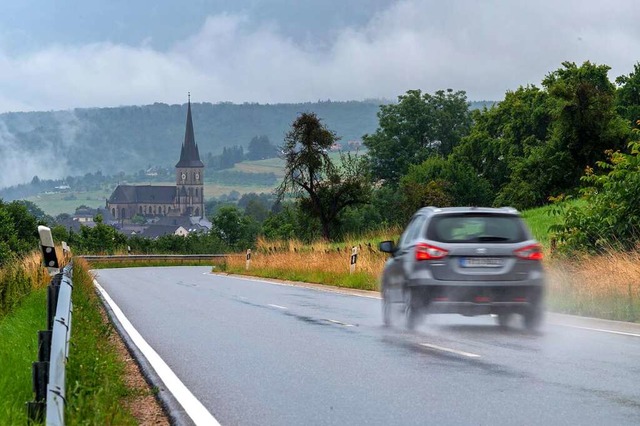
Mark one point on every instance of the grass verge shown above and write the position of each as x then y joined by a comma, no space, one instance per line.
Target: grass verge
96,390
146,263
18,350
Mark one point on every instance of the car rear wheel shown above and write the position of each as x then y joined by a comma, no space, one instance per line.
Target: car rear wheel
411,309
386,308
504,318
532,317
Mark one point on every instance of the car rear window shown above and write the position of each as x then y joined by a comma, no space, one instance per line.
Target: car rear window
477,228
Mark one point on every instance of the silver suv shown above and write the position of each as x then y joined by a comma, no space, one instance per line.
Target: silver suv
465,260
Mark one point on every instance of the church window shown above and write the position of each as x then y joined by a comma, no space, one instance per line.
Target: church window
123,214
113,213
140,209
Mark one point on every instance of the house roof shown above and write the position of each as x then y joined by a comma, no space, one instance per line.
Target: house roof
189,155
190,223
155,231
151,194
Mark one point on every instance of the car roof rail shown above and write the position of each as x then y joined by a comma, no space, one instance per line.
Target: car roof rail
510,209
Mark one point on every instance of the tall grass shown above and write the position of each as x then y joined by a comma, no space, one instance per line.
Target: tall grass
604,286
320,262
18,278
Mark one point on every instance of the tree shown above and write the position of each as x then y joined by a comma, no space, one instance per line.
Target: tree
628,96
260,148
233,227
444,182
322,188
585,121
505,133
418,126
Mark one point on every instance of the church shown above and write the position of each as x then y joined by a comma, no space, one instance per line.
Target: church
185,199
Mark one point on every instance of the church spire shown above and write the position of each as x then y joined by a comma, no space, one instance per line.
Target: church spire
189,155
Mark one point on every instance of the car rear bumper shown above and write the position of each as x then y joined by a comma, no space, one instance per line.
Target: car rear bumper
478,299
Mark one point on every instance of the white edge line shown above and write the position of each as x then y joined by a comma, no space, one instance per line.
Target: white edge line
454,351
194,408
278,306
602,330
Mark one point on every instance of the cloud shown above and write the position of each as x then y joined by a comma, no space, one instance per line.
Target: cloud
484,48
21,159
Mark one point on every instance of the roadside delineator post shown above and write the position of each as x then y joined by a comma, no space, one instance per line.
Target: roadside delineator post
353,259
66,251
248,259
49,256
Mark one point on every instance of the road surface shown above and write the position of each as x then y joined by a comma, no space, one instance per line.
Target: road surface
259,353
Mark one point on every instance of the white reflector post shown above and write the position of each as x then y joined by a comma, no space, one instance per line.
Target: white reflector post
48,249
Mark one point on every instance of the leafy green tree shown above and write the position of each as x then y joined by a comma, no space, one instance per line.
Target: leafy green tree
236,229
504,134
290,222
610,216
322,188
628,96
260,148
7,236
25,227
444,182
418,126
585,122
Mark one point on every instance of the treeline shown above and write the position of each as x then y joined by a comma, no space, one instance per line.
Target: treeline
18,231
567,138
260,148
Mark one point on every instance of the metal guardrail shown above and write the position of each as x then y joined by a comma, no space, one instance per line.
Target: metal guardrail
143,257
49,372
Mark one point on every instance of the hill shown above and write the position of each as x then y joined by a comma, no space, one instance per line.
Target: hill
56,144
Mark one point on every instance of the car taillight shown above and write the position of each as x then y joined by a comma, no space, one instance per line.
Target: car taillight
429,252
532,252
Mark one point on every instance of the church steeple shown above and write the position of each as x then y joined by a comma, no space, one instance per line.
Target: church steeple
189,155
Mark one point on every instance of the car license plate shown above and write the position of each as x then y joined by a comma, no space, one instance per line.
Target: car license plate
481,262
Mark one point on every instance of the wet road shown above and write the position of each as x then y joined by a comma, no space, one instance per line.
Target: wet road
254,352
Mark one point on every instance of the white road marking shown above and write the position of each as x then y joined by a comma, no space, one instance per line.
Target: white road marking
277,306
453,351
602,330
194,408
340,323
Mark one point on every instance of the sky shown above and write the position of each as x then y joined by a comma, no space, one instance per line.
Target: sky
60,55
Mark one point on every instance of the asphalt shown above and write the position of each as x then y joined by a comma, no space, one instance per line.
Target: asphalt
257,352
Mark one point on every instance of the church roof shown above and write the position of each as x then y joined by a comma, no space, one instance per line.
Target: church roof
189,155
151,194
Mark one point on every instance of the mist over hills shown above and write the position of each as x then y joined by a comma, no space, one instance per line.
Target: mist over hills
56,144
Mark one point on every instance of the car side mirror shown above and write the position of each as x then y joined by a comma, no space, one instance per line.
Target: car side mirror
387,247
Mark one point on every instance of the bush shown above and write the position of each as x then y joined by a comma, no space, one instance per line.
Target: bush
610,217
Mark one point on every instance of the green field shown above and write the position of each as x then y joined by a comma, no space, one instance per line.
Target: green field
271,165
54,204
